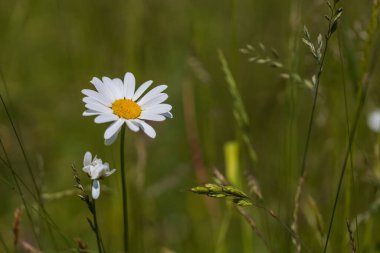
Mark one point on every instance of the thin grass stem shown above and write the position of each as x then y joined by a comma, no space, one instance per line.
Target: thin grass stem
367,69
18,178
344,166
348,136
21,194
321,63
27,162
22,148
42,215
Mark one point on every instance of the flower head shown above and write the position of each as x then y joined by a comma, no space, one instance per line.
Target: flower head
119,102
373,120
96,169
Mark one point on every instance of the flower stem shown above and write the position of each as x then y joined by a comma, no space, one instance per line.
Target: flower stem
97,232
124,190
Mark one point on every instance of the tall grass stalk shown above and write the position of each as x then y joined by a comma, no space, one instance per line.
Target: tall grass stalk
351,184
21,194
345,160
18,180
28,165
27,162
367,70
321,64
124,190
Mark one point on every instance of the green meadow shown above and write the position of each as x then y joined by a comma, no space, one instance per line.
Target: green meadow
271,147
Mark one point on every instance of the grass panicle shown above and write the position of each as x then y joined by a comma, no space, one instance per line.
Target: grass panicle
264,56
223,191
241,118
319,51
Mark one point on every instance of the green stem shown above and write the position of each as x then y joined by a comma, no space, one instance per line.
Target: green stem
124,190
97,232
367,70
21,193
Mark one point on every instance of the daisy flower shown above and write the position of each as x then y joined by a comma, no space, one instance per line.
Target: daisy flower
373,120
96,169
119,102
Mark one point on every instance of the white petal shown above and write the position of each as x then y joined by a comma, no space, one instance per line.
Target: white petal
87,159
95,189
112,129
106,166
87,169
110,141
143,87
102,88
108,173
98,84
151,94
112,87
118,83
168,115
90,100
90,113
95,172
129,85
154,101
158,109
132,126
148,130
106,118
98,108
95,95
154,117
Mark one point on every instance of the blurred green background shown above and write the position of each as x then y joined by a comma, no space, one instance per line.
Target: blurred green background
50,50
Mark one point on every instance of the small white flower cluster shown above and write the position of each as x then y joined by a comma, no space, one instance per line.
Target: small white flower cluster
96,169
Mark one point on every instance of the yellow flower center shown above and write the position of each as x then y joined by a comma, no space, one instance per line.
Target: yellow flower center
126,108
